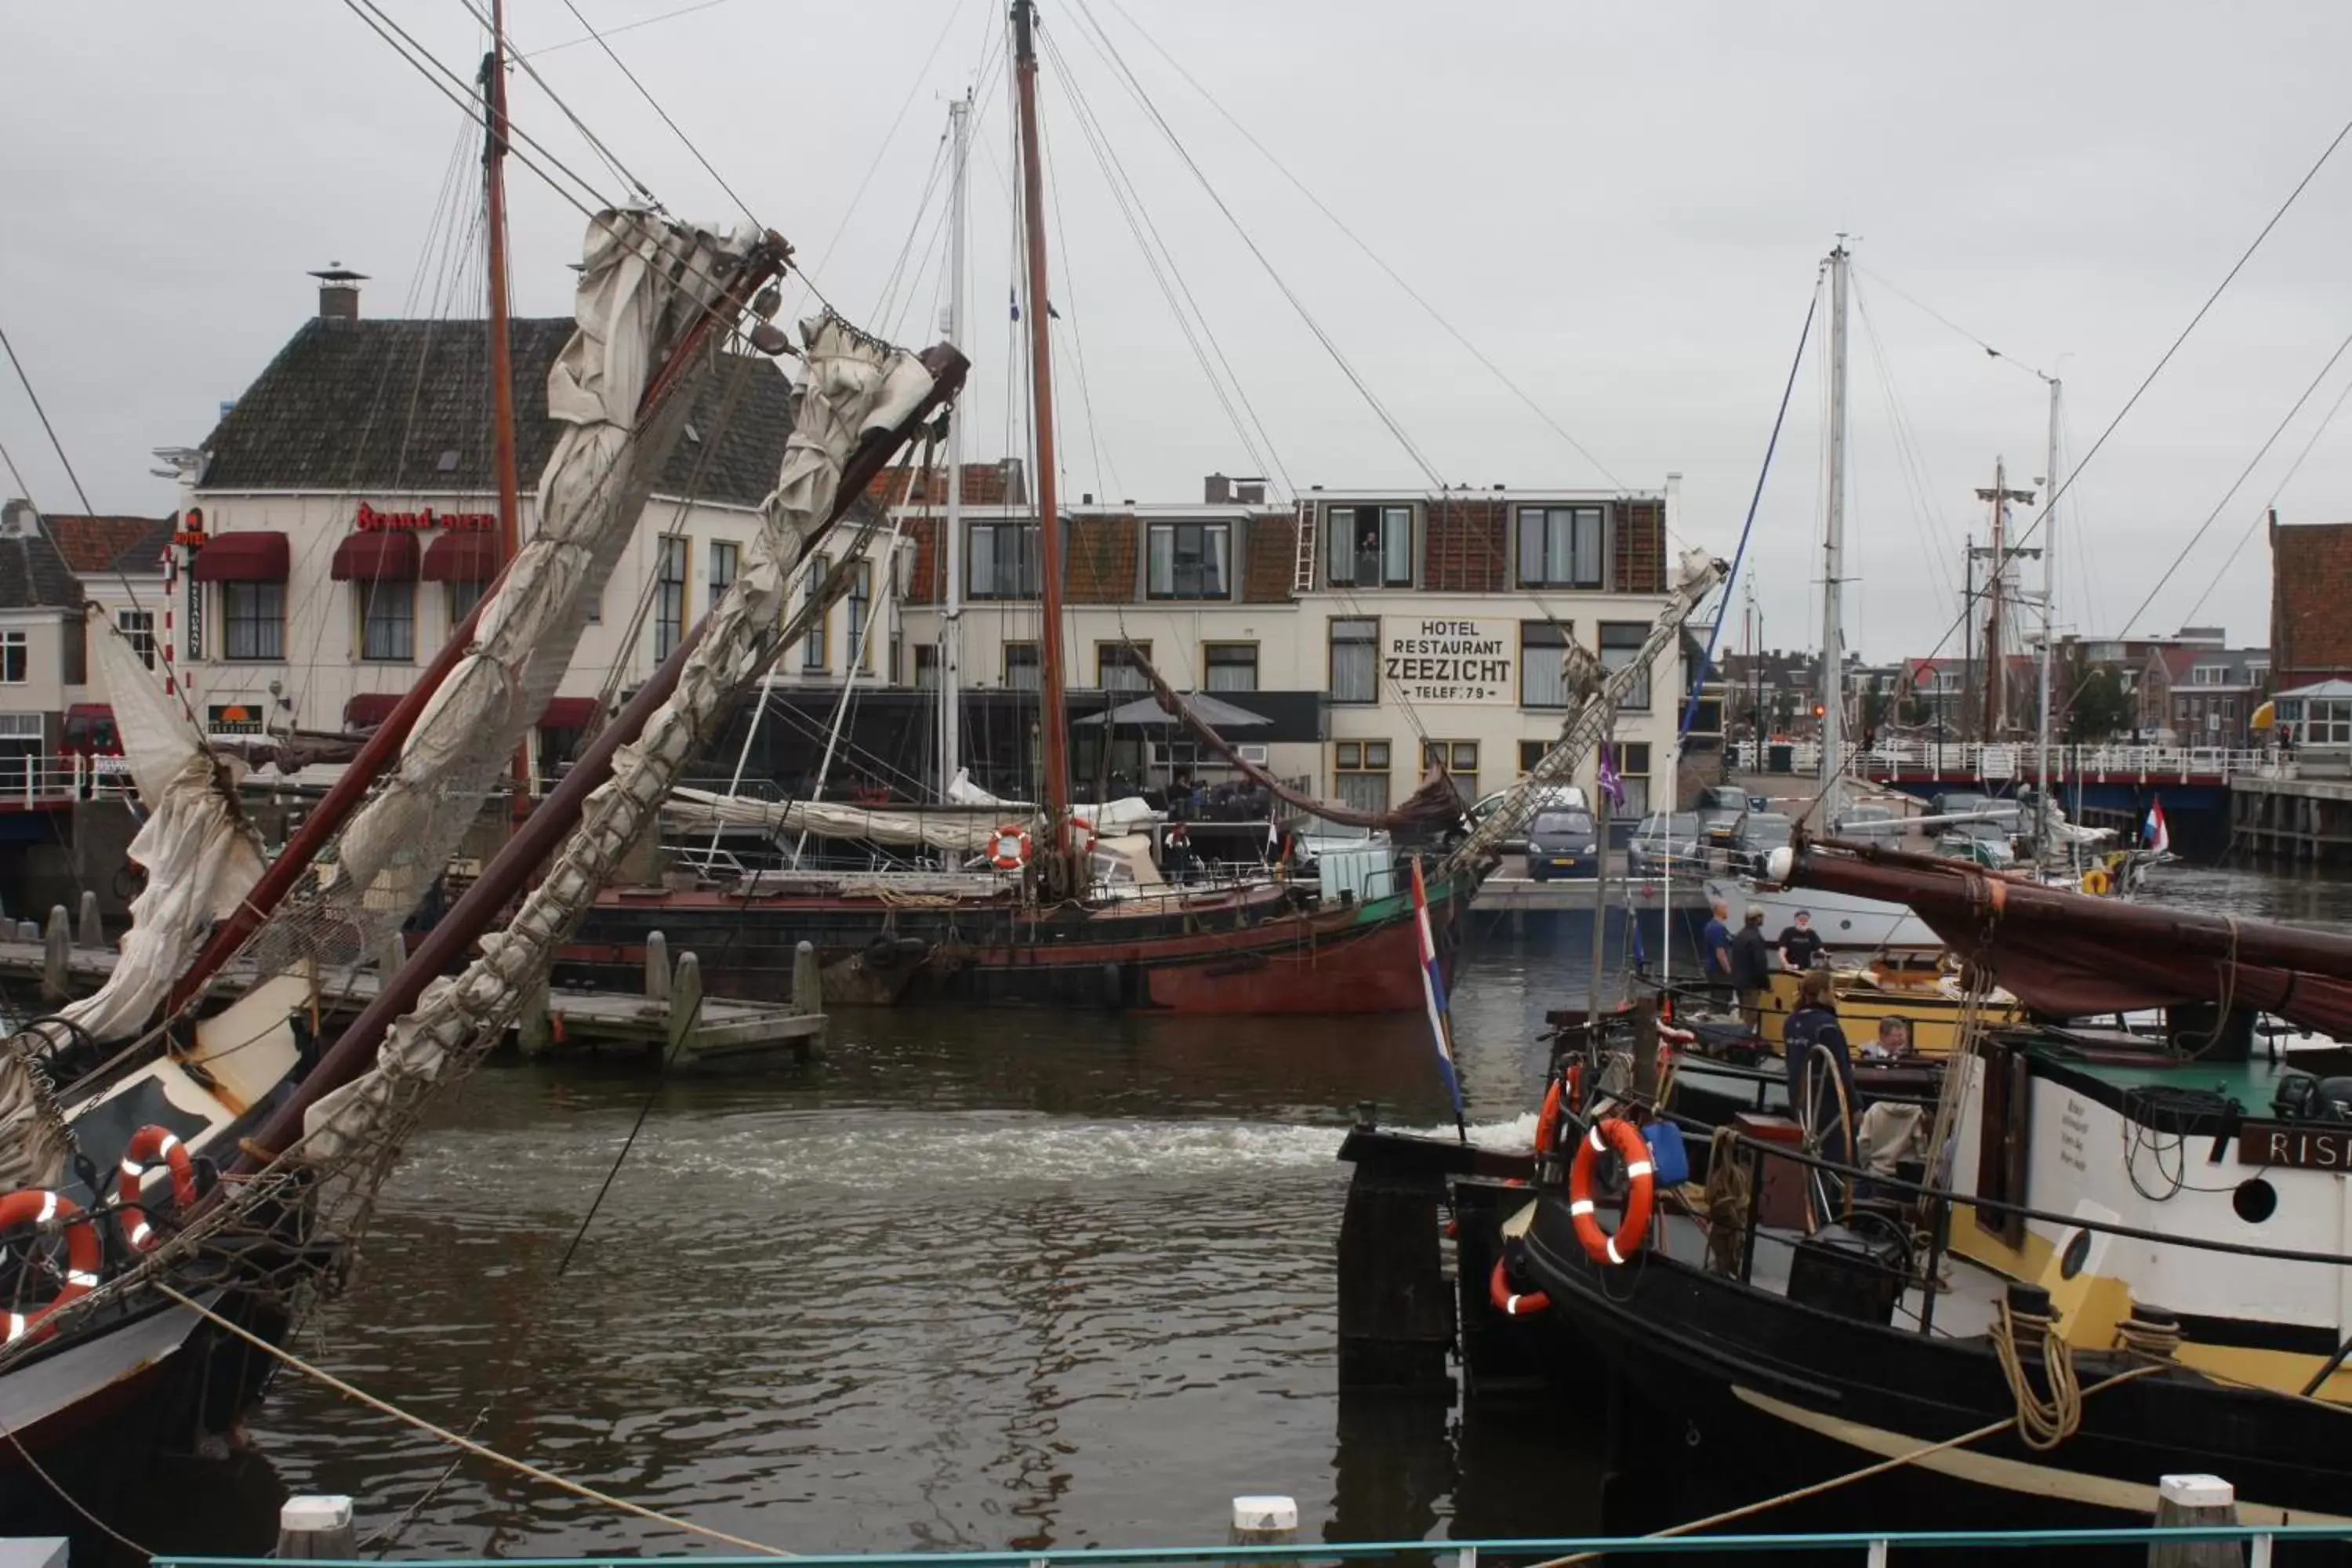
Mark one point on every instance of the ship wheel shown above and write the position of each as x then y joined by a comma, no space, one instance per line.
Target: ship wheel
1824,1109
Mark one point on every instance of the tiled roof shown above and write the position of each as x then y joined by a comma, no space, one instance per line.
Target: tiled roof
385,404
34,576
108,544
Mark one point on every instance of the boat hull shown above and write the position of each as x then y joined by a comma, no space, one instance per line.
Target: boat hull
1844,920
1253,952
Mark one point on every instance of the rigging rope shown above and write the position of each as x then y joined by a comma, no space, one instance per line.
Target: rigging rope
2042,1422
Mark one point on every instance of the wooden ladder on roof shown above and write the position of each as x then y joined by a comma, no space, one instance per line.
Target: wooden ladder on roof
1302,566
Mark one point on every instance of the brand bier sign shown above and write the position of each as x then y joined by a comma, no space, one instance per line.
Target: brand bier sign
1452,661
371,521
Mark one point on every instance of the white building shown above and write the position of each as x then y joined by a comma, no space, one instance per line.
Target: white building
42,651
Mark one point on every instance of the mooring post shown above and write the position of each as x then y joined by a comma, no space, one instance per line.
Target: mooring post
56,951
808,984
316,1528
2182,1501
86,931
685,1006
1264,1521
657,967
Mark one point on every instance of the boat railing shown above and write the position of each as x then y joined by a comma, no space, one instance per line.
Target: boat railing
33,781
2258,1542
2009,761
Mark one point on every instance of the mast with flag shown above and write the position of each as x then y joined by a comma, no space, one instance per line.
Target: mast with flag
2158,835
1432,992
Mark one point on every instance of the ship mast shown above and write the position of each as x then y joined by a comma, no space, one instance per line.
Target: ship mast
1832,687
1054,720
502,413
2049,619
952,617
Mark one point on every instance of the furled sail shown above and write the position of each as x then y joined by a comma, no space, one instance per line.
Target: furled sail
200,853
854,384
2072,955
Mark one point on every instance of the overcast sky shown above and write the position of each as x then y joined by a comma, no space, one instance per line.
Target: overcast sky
1624,207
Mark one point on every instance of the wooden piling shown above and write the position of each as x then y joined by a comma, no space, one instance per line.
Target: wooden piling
657,977
57,952
2183,1502
808,981
317,1527
88,931
1264,1521
685,1006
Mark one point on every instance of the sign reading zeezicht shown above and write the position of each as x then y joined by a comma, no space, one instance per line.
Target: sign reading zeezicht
1450,661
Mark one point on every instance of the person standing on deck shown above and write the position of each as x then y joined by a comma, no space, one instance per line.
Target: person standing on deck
1801,944
1752,963
1715,948
1815,1025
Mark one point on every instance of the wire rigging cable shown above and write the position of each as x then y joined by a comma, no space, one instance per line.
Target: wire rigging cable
2255,522
655,104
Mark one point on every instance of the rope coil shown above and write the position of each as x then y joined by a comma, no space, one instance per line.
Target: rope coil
2042,1422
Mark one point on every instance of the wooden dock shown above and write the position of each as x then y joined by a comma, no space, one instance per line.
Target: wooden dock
671,1016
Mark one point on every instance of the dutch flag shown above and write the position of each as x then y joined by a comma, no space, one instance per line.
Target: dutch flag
2159,836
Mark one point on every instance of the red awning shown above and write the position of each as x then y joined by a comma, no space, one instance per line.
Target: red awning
468,557
568,713
91,711
370,709
376,558
253,557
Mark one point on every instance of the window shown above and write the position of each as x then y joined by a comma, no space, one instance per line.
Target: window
463,597
1560,547
670,593
1620,645
1021,671
138,629
2257,673
1458,758
926,667
1543,664
1355,661
724,554
1531,752
1359,775
1000,561
387,621
820,620
1189,560
253,620
1632,759
1230,666
15,658
1118,666
861,604
1371,546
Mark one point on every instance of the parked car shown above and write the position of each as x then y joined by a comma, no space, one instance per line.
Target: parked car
1984,842
1720,807
1756,834
1563,844
1664,839
1867,822
1551,797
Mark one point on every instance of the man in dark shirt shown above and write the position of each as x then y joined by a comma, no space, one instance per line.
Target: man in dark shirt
1801,944
1752,965
1714,946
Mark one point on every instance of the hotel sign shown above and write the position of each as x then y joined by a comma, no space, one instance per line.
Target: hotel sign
234,718
2295,1145
371,521
1452,661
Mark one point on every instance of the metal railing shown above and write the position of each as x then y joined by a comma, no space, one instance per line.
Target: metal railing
1858,1546
30,781
2015,763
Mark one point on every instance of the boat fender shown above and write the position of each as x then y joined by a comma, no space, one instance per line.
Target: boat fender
1641,1187
1548,1120
1011,850
38,1206
148,1147
1509,1303
2097,883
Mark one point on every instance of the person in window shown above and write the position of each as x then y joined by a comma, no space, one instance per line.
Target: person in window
1715,948
1752,964
1801,944
1814,1027
1368,554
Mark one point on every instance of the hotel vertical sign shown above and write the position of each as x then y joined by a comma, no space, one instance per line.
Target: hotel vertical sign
1450,661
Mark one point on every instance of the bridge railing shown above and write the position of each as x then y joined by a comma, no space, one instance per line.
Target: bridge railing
27,783
2011,763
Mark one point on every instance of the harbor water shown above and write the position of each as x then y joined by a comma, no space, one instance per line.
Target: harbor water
977,1280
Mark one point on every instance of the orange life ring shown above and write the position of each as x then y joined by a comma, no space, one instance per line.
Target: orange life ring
1011,851
1639,1194
1575,1098
1509,1303
36,1206
149,1146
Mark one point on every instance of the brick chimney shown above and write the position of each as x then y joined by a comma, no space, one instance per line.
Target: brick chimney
1217,489
338,292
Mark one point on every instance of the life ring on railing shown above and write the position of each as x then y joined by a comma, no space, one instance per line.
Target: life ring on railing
149,1146
2097,883
1639,1191
1509,1303
1085,825
1011,850
36,1206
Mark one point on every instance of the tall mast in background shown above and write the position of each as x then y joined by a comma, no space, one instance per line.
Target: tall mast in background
502,413
1053,719
2051,480
951,619
1832,686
